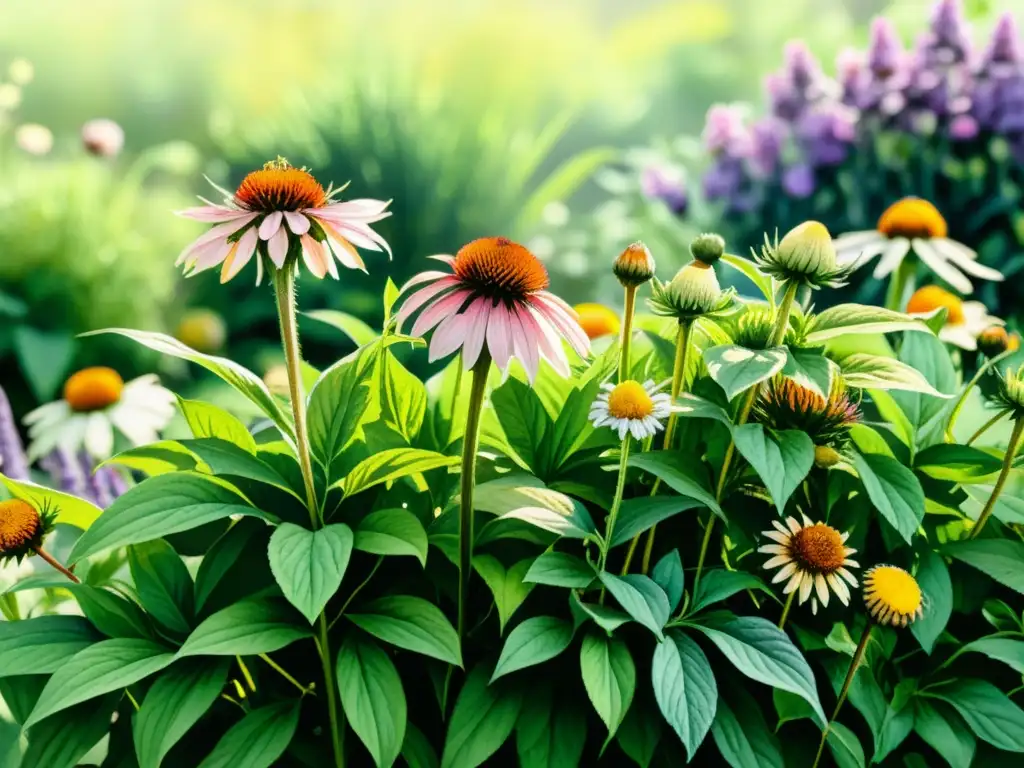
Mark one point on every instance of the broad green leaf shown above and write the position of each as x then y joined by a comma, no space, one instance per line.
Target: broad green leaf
608,619
309,565
42,644
372,697
756,276
681,476
894,491
763,652
508,586
163,583
789,707
1000,559
524,421
782,459
685,689
668,574
161,506
551,731
403,398
897,725
1004,649
110,613
63,739
357,331
417,750
410,623
945,732
246,628
207,420
392,464
692,407
240,378
736,369
641,598
482,720
560,569
927,355
640,733
869,440
810,370
989,713
844,319
70,510
609,675
154,459
522,497
340,404
845,748
741,734
244,541
174,703
864,371
957,463
638,514
392,532
937,591
226,459
573,427
533,642
719,584
258,739
893,416
101,668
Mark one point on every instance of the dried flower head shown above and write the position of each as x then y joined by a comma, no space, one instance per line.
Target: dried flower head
634,266
892,596
784,404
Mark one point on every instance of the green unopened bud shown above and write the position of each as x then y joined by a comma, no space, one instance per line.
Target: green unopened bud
807,250
993,341
635,265
707,247
695,288
825,456
1011,389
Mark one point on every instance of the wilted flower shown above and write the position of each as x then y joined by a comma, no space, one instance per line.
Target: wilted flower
34,138
892,596
784,404
103,137
805,255
495,298
22,528
634,266
597,320
13,462
965,320
631,407
202,329
281,212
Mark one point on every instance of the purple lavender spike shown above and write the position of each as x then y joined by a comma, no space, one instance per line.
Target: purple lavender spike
798,181
885,52
963,128
97,491
852,75
950,38
725,132
13,461
1003,55
801,68
114,481
663,183
769,136
66,472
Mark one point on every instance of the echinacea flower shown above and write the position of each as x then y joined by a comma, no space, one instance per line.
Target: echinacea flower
22,529
964,319
805,256
597,320
631,407
97,402
496,300
892,596
812,556
784,404
280,212
913,223
634,266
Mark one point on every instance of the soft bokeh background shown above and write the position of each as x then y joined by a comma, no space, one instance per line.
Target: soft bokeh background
531,118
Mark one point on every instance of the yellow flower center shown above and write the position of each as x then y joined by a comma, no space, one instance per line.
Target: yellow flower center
92,389
629,400
280,187
19,524
932,297
894,589
597,320
497,267
912,217
818,548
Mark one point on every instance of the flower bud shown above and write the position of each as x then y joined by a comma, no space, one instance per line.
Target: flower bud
635,265
102,137
707,247
993,341
695,288
1011,390
34,138
807,249
825,456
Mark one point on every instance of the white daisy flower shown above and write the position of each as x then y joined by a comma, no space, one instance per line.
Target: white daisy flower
97,402
914,224
965,320
631,407
811,558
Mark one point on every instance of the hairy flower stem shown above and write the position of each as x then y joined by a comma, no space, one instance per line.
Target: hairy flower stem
627,332
284,285
778,335
470,443
858,656
53,561
785,609
620,485
1004,474
901,284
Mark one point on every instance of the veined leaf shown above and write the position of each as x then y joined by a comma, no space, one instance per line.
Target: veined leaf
736,369
937,589
782,459
810,370
685,688
989,713
865,371
309,565
677,474
392,532
42,644
756,276
71,510
410,623
1000,559
560,569
609,675
533,642
208,420
858,318
392,464
258,739
508,586
372,697
894,491
246,628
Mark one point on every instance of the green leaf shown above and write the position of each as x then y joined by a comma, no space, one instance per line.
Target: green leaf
573,427
638,514
685,689
42,644
245,540
640,733
741,734
533,642
692,407
1010,652
608,619
410,623
559,569
258,739
736,369
524,421
844,319
508,587
417,750
207,420
845,748
810,370
641,598
756,276
309,565
392,532
246,628
782,459
551,731
63,739
894,491
154,459
482,720
763,652
927,355
522,497
226,459
110,613
719,584
44,357
937,590
668,574
944,731
240,378
1000,559
893,416
158,507
609,675
957,463
372,697
340,404
101,668
992,716
865,371
71,510
357,331
163,583
403,398
682,477
174,703
391,464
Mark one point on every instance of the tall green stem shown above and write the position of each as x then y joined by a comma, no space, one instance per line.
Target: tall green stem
1004,474
858,656
284,284
620,485
777,337
627,332
470,442
986,427
982,370
901,283
785,609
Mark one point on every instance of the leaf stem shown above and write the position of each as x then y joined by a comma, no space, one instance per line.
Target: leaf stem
627,332
901,281
785,609
986,427
356,591
858,656
1004,474
620,485
286,675
53,561
955,412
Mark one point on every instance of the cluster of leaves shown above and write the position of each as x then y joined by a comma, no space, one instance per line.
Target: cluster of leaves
202,584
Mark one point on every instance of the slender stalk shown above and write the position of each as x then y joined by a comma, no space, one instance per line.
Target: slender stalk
785,609
285,674
985,427
858,656
1004,474
245,674
982,370
620,485
356,591
901,282
52,561
470,443
627,332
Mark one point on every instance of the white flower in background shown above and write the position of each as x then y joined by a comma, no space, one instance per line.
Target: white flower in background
10,96
965,320
102,137
34,138
631,407
21,71
96,403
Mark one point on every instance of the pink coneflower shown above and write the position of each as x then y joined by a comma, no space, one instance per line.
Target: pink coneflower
495,298
280,211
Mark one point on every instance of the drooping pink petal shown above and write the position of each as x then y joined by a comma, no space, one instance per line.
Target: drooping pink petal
212,213
357,207
357,235
445,257
297,223
476,316
440,309
448,336
423,295
525,343
548,341
342,248
499,335
210,257
313,255
270,225
221,231
277,247
423,277
564,323
239,256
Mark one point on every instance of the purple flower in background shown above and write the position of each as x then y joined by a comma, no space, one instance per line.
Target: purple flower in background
996,99
963,128
769,136
825,134
949,40
725,132
66,472
96,488
851,73
1008,105
13,462
1003,55
798,181
885,52
661,182
798,85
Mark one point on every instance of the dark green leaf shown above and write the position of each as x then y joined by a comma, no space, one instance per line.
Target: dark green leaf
736,369
523,497
640,733
988,712
1000,559
340,404
894,491
719,584
668,574
410,623
61,740
392,532
226,459
258,739
681,476
937,590
641,598
309,565
957,463
208,420
164,584
896,726
685,689
42,644
845,748
241,553
482,720
246,628
1004,649
535,641
782,459
573,427
638,514
416,749
524,421
944,730
559,569
111,614
609,619
609,675
551,731
372,697
741,734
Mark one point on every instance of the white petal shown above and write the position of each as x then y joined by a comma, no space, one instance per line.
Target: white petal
895,251
99,436
270,225
938,264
